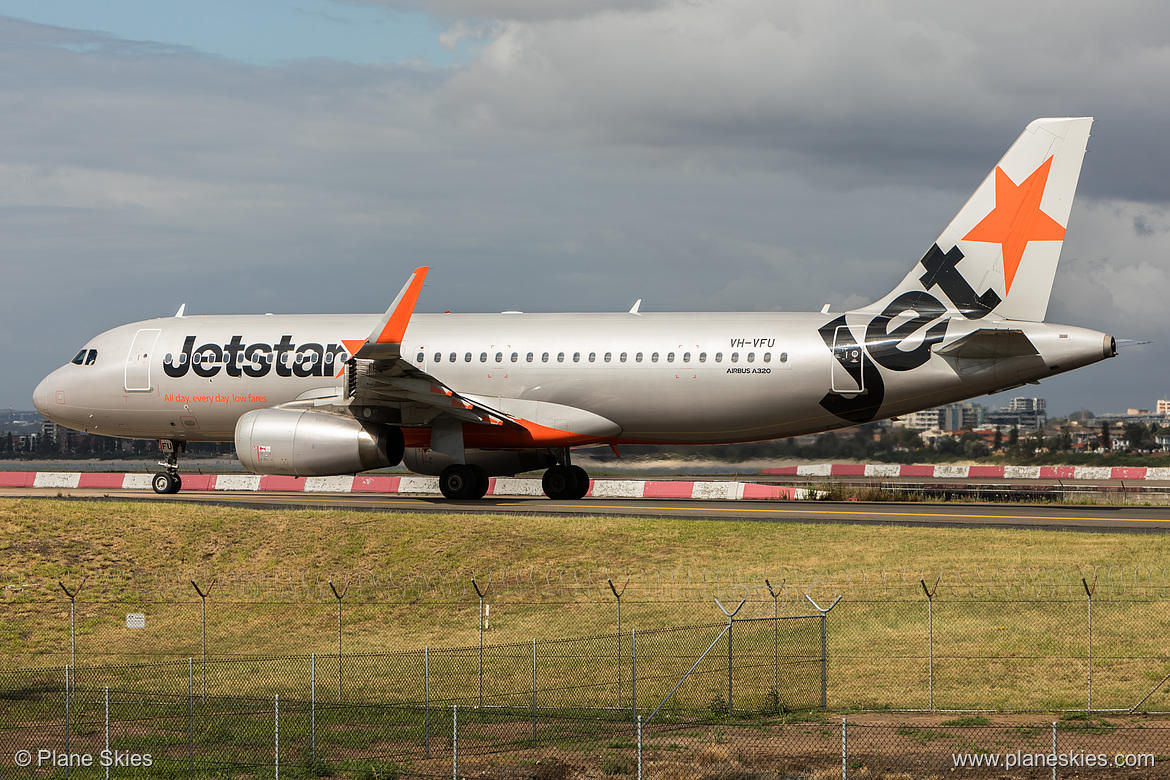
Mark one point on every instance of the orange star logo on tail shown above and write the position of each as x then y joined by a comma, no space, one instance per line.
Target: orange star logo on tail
1017,219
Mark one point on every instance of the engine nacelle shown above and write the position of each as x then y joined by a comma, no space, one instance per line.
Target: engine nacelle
302,443
497,463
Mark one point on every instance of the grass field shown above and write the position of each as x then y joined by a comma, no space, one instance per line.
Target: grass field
995,651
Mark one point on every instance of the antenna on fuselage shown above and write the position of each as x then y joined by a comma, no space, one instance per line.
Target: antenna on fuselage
636,306
182,308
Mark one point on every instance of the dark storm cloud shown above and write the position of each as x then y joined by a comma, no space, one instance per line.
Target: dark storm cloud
732,155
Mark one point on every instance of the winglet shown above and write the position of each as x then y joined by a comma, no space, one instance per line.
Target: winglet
385,341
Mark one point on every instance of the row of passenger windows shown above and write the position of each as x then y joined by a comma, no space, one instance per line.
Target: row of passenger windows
607,358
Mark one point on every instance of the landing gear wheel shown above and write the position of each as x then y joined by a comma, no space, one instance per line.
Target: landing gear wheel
560,482
582,481
481,482
165,483
459,481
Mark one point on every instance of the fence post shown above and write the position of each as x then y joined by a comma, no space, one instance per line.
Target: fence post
1054,757
339,597
455,741
824,649
481,594
190,715
639,747
776,638
534,692
427,698
634,671
276,746
73,618
618,595
203,619
930,641
1089,592
313,706
107,698
844,750
730,666
68,696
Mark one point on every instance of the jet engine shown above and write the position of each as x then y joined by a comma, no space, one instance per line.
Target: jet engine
495,463
302,443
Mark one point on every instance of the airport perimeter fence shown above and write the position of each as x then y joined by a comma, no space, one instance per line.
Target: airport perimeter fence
739,700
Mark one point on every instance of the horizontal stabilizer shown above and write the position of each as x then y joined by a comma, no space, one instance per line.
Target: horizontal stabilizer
989,344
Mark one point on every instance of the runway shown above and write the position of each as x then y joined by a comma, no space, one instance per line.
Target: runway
1052,517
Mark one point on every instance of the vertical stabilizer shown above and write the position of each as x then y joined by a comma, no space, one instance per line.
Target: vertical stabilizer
999,254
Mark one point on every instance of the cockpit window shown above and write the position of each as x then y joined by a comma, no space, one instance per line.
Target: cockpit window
85,356
91,357
79,359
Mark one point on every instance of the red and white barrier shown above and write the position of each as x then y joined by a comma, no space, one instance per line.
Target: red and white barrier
403,485
949,471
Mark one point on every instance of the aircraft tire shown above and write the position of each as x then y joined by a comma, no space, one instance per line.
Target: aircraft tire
582,481
481,482
560,482
458,481
165,483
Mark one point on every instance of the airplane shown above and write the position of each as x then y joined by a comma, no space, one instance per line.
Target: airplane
469,396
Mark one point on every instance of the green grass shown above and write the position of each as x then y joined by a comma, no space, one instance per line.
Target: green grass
997,648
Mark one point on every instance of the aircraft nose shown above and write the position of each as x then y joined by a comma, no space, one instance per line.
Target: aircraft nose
41,397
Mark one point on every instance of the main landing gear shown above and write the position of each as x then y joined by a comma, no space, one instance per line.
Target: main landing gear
564,481
169,481
463,481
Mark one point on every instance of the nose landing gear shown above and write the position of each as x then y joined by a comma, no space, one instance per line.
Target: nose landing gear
169,481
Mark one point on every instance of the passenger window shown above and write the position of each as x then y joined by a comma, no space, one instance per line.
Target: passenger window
686,357
91,357
515,356
623,357
421,358
592,357
767,357
197,358
438,357
544,358
670,357
482,357
576,357
529,357
499,357
467,358
654,357
734,357
751,357
560,357
702,357
608,356
80,358
718,357
638,358
452,357
783,357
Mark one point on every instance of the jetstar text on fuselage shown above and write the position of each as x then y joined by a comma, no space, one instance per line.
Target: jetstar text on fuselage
256,360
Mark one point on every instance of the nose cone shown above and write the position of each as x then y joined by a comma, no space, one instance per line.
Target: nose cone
41,396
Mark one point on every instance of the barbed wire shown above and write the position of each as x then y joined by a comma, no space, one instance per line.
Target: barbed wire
592,584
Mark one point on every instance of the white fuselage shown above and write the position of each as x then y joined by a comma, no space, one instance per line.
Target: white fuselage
682,378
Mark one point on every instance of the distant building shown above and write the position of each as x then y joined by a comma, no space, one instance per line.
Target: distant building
1024,413
1163,407
924,420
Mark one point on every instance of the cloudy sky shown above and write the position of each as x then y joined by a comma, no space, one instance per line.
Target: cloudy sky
550,155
